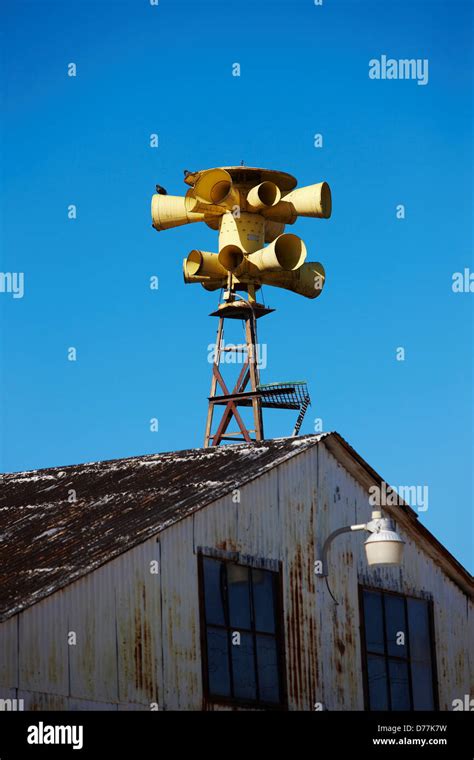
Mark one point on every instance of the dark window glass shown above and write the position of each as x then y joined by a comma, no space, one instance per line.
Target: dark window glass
264,600
422,684
213,583
243,668
420,644
420,654
399,675
377,677
373,616
242,633
267,660
239,596
218,661
399,685
395,625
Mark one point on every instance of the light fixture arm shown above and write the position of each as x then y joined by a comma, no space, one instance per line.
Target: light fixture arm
375,525
330,539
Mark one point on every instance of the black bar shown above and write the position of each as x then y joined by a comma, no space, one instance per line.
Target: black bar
139,734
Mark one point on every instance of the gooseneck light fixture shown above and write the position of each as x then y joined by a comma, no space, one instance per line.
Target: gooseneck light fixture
383,546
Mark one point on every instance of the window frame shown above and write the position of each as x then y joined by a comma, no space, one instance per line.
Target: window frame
386,657
233,558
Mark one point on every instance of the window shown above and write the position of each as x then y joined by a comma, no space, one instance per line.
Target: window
241,633
398,652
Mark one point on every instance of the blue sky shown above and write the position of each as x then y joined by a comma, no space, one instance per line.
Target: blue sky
143,353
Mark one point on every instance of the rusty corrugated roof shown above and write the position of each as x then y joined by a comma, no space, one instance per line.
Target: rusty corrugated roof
47,540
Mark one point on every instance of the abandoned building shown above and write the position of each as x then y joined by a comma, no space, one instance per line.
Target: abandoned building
188,581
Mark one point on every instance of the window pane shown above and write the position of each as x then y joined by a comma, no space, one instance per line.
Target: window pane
243,668
395,624
418,626
422,685
213,589
263,583
377,683
399,685
239,596
268,681
218,662
373,622
420,654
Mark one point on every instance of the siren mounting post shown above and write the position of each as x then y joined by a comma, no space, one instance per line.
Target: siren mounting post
248,207
239,396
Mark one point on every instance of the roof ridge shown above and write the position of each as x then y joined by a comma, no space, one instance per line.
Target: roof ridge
211,451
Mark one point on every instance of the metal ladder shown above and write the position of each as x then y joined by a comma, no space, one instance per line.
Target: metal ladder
306,402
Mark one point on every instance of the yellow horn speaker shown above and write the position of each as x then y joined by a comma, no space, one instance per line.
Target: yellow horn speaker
202,264
215,186
210,283
313,201
287,252
264,195
231,257
170,211
193,204
307,281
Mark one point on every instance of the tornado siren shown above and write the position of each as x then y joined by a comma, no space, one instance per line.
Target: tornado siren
249,208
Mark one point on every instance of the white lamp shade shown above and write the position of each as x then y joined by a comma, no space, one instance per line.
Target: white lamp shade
384,548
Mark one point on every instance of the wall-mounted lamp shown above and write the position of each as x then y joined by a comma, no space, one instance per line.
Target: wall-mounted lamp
383,547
